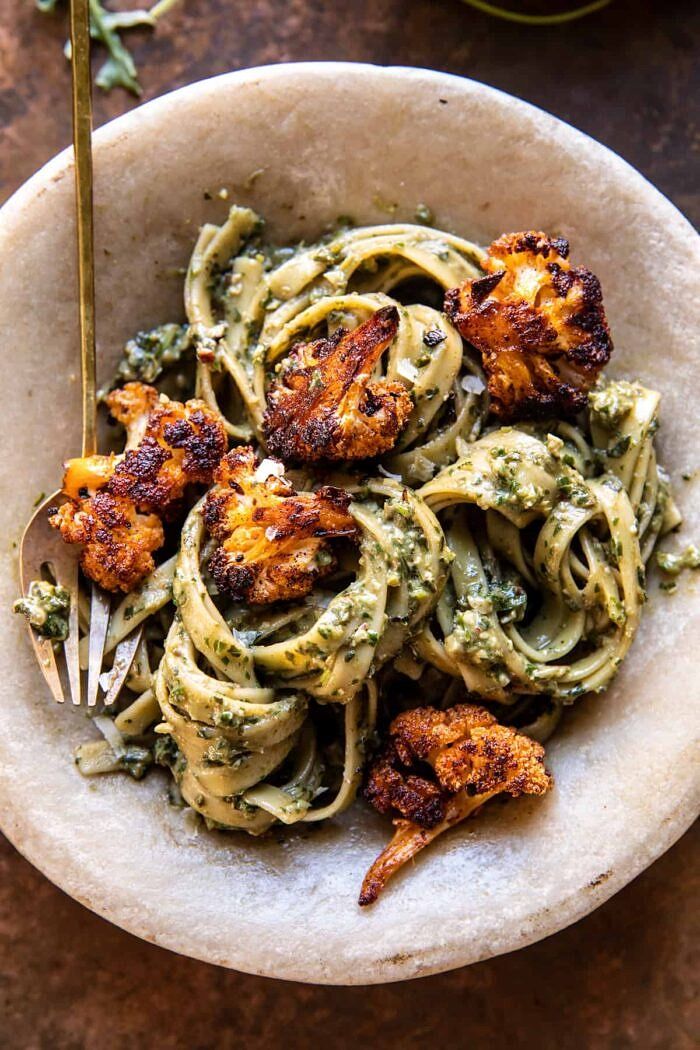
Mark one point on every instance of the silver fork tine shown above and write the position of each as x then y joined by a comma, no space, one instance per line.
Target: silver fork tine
63,563
124,654
67,576
99,619
43,648
30,569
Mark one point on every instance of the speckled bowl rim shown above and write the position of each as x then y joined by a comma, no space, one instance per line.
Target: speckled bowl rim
449,948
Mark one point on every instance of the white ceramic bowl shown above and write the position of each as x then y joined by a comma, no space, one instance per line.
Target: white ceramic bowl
333,139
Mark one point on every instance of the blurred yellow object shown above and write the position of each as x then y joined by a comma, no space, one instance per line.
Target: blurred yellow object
537,20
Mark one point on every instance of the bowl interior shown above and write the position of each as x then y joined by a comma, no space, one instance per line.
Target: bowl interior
303,145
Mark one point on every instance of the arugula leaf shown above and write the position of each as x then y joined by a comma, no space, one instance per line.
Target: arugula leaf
120,69
105,26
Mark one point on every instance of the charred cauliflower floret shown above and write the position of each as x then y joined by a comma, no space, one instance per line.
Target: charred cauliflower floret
180,445
273,540
131,406
438,767
116,502
325,405
117,540
538,323
87,474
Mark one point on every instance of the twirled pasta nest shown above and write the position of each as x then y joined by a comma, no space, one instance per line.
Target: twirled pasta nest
224,711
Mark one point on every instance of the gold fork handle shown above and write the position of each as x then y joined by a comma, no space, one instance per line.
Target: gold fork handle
82,146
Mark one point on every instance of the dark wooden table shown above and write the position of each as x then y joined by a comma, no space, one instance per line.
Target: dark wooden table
627,975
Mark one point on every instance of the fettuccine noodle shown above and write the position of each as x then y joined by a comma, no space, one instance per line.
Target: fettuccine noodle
502,562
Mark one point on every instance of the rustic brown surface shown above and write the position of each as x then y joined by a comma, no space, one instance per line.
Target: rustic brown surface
627,975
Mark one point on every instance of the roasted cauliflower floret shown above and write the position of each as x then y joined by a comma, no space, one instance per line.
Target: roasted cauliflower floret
131,406
116,502
273,540
117,540
538,323
87,474
325,405
180,445
438,767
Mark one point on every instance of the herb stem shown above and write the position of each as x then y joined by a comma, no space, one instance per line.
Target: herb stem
162,8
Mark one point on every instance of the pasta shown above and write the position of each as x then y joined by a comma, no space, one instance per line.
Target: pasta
490,562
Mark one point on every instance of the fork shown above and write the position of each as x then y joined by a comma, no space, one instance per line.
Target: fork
41,547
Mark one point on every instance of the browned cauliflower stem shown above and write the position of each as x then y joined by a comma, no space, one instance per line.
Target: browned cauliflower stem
436,768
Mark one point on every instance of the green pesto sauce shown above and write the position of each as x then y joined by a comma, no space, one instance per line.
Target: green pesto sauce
46,608
475,636
610,403
150,353
674,564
